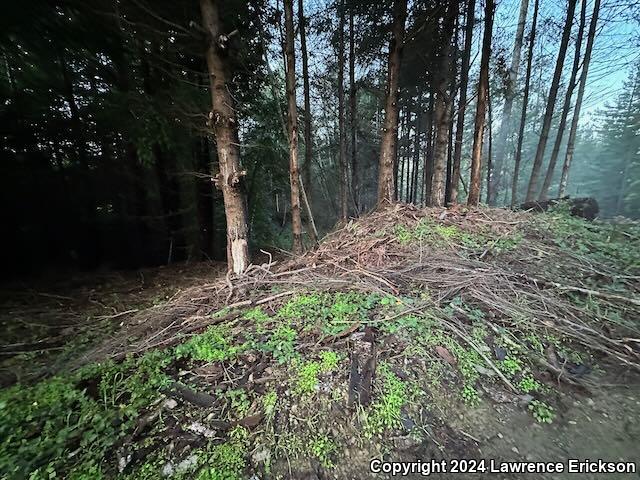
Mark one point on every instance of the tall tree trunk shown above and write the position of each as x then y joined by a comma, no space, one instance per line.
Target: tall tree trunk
416,153
292,127
565,107
353,124
342,160
308,143
532,190
464,82
443,110
576,111
428,158
483,94
495,175
390,129
525,103
223,121
403,152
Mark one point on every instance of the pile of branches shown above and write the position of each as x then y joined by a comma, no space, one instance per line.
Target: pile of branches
511,288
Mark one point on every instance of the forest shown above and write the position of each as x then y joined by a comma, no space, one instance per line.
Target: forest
290,239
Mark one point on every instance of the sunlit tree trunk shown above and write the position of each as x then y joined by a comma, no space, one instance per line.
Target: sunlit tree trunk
483,95
495,175
464,81
576,111
223,121
390,128
292,127
525,103
565,107
532,190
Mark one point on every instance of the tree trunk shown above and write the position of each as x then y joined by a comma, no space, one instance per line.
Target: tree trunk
355,188
416,153
428,158
342,151
495,176
223,121
403,152
292,127
308,143
443,110
565,107
525,103
464,81
576,112
483,93
532,190
390,129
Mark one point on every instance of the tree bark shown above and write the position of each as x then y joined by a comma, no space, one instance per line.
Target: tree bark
353,124
464,82
223,121
428,158
576,111
525,103
483,93
443,110
565,107
308,143
342,159
390,129
292,127
532,190
495,176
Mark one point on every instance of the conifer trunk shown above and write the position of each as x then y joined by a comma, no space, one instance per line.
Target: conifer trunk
443,110
532,190
565,107
390,128
576,112
292,127
481,110
223,121
464,82
495,175
525,103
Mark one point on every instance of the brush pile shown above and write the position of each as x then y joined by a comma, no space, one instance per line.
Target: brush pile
395,327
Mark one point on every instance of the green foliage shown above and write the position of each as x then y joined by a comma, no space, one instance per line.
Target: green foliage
239,401
323,448
510,365
429,231
470,395
215,344
542,412
269,405
617,245
281,344
332,312
226,461
307,376
529,384
41,425
385,413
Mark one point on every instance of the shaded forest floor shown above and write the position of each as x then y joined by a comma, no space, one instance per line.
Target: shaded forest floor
409,334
